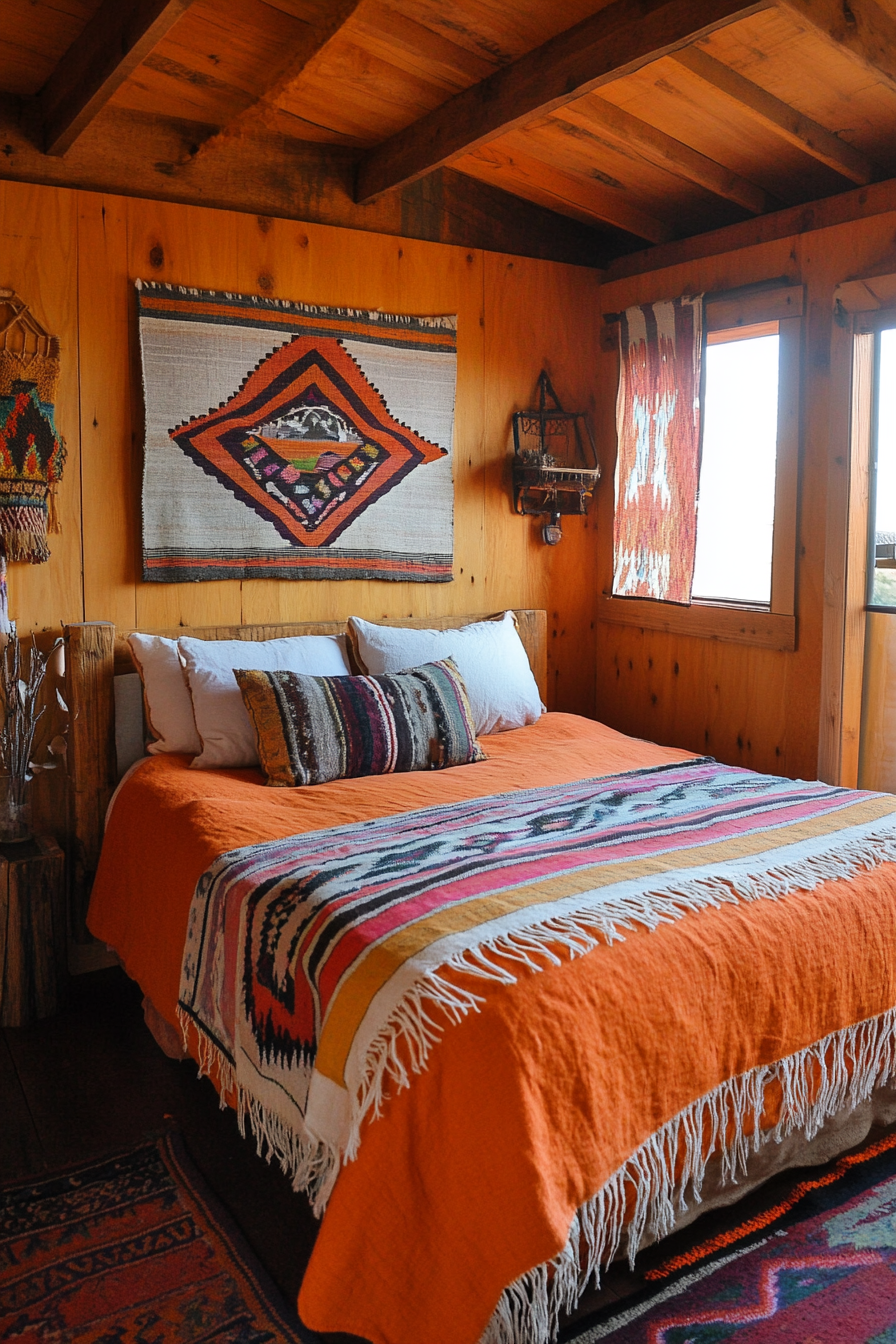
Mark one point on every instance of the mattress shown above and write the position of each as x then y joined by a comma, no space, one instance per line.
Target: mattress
475,1177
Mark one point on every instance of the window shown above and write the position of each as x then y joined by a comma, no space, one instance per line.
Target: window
736,498
882,512
744,576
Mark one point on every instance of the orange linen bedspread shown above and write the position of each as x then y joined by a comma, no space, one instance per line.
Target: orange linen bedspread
472,1174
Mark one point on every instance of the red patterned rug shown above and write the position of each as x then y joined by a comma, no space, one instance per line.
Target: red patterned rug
128,1250
817,1265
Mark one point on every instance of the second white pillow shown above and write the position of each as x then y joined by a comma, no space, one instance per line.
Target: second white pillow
221,719
489,655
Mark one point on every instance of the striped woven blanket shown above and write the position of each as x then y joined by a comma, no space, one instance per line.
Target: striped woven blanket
318,968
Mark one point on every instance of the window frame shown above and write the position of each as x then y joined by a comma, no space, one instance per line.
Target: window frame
772,626
857,306
871,325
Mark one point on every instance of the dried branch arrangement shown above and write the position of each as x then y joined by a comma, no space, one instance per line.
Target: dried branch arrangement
22,674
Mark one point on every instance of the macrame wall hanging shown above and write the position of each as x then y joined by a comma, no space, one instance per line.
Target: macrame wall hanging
32,452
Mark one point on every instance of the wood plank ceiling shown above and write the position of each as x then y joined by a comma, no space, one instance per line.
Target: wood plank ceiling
594,131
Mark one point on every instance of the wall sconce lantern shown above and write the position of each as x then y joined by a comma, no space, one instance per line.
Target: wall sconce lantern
555,467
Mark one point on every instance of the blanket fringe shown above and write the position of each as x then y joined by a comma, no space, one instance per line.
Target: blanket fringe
848,1066
311,1164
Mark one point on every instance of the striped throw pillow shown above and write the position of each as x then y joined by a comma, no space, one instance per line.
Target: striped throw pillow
313,729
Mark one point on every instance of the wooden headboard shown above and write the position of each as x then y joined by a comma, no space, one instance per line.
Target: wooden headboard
96,652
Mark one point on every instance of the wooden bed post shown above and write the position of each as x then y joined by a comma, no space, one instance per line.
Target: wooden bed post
533,628
89,669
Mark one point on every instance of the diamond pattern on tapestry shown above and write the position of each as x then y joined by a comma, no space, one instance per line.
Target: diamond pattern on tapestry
306,442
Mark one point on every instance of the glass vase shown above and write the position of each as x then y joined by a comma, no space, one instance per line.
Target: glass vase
15,809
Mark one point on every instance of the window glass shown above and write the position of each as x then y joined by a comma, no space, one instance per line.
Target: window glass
736,502
883,572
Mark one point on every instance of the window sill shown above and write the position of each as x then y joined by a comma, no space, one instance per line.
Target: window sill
731,625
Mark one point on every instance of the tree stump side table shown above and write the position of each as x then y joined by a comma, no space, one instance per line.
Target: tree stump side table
33,931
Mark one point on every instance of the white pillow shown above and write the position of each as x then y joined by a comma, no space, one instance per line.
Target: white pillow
221,719
489,656
166,695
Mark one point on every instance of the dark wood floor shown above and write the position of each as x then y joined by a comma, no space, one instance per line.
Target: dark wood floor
92,1080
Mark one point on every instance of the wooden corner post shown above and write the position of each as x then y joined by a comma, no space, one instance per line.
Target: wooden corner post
89,671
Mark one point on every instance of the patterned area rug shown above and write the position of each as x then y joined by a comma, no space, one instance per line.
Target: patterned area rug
127,1250
817,1266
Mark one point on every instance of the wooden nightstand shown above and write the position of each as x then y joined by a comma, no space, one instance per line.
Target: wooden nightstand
33,931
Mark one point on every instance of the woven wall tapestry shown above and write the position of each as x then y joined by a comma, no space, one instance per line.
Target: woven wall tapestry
658,454
294,442
32,453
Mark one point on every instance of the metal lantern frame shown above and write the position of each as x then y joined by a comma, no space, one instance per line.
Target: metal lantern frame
541,484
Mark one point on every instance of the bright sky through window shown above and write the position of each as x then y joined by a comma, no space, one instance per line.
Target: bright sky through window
884,589
736,507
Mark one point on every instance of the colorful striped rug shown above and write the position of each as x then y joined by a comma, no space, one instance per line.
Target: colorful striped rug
813,1262
131,1248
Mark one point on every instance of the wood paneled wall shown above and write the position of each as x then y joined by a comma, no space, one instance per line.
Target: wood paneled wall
75,255
747,706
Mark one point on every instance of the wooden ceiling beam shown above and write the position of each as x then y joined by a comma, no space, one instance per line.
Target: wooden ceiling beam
860,27
273,176
846,207
605,119
531,172
780,117
284,75
120,35
615,41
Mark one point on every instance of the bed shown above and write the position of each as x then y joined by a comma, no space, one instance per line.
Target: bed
730,996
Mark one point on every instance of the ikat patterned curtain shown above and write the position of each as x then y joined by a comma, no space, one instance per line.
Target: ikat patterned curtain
658,455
